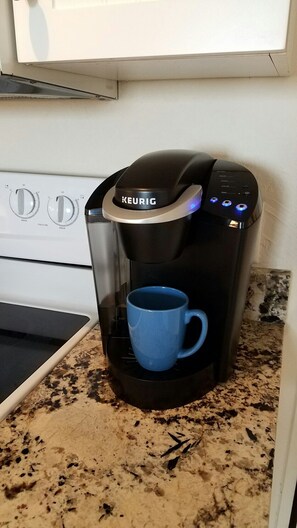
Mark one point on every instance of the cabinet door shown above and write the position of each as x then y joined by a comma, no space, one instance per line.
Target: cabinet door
156,39
23,79
55,30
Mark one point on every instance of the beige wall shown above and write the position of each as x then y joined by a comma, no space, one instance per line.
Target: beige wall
251,121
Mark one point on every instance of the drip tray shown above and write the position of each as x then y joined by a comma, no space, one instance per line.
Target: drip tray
187,381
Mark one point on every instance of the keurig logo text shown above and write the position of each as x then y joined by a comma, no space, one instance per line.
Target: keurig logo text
129,200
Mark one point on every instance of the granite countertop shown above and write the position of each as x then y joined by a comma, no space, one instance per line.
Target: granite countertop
73,455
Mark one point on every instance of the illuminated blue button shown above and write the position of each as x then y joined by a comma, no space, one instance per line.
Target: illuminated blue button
241,207
226,203
214,199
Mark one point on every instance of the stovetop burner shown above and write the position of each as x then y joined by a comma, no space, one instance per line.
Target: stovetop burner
28,338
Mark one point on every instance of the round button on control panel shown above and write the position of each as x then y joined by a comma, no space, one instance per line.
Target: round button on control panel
62,210
23,202
241,207
226,203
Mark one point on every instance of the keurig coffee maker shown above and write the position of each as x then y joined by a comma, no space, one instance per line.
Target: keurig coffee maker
181,219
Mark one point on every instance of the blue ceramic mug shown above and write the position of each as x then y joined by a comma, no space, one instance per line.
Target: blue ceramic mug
157,319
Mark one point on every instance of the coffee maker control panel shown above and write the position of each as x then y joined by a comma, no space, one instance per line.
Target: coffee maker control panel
233,196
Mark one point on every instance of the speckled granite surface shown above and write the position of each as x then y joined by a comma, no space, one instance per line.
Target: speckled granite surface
72,455
267,295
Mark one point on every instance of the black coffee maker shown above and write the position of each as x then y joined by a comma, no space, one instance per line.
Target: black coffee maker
174,218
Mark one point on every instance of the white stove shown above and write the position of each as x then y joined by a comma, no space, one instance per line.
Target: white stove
47,293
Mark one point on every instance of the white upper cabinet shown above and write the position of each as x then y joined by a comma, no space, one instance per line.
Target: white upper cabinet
30,81
157,39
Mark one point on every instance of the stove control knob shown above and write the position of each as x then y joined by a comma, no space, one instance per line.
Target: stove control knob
24,203
62,210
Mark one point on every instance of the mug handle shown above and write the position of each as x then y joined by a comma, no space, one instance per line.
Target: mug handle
186,352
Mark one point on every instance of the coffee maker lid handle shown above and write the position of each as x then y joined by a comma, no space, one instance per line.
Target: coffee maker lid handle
187,203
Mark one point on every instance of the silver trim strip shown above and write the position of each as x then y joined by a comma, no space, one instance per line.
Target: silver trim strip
186,204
